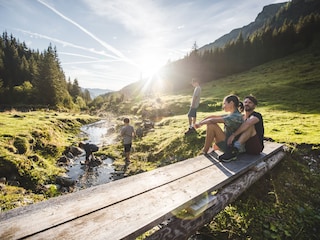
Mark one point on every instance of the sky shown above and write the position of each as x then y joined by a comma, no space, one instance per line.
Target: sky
109,44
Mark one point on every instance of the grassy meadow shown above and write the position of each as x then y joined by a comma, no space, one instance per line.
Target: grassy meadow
286,91
282,205
30,144
285,203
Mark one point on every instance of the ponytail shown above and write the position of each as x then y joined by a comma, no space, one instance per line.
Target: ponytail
234,99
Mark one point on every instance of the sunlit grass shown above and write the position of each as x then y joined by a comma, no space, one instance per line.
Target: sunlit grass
287,90
15,123
288,100
284,203
30,144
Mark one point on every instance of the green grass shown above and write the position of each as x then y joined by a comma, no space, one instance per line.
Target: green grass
288,100
287,90
30,144
284,204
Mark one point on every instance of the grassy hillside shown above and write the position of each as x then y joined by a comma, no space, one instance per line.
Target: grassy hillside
288,99
285,203
288,94
287,90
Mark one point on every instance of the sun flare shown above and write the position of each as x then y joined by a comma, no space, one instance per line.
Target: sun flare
151,71
150,65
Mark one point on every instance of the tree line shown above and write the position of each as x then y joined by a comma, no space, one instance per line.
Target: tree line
32,78
294,28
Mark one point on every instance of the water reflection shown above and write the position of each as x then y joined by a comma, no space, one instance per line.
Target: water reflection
91,176
97,133
86,176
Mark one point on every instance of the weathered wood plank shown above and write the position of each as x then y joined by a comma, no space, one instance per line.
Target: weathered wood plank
126,206
158,205
182,228
65,208
143,210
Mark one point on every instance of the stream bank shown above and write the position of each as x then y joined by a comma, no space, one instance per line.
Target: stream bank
86,176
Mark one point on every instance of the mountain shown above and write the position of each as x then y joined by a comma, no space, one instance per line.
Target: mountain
273,16
278,30
268,12
95,92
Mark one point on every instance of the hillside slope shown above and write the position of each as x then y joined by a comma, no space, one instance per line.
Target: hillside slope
286,88
284,204
267,13
272,16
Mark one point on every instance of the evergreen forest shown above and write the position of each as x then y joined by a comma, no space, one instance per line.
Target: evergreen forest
36,79
32,79
293,29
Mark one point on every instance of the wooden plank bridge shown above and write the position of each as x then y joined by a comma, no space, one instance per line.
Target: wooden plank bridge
170,202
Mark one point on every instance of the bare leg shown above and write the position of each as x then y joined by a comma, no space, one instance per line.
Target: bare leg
128,156
250,132
213,133
194,120
190,121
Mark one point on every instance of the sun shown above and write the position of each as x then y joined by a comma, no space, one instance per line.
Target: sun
150,64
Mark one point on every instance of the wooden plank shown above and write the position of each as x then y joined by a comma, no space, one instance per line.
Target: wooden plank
15,223
131,218
182,228
109,202
139,212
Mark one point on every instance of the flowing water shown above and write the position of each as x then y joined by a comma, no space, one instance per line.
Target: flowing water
85,176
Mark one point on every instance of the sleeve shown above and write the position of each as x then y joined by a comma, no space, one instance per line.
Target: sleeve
197,92
122,131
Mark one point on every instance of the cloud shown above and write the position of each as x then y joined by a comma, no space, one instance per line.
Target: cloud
68,44
104,44
141,18
77,55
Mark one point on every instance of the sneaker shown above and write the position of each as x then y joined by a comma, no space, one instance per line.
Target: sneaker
230,155
190,130
213,154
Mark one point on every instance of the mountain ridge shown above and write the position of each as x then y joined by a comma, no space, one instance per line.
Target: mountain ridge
95,92
267,13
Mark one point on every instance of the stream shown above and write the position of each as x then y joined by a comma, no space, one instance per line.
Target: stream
85,176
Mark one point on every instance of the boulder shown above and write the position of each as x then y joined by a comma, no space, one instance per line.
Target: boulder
65,181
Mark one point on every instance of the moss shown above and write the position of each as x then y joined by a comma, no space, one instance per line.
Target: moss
29,158
21,144
13,197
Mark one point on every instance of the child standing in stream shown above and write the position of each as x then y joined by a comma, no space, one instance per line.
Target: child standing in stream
89,148
127,133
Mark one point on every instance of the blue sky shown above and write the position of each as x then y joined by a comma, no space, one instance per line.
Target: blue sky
109,44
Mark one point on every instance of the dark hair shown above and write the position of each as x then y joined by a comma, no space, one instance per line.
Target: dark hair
241,107
126,120
194,80
234,99
252,99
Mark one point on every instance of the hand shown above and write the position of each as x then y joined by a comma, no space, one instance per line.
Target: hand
230,139
197,125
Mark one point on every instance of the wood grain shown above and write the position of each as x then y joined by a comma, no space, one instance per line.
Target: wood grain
129,206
